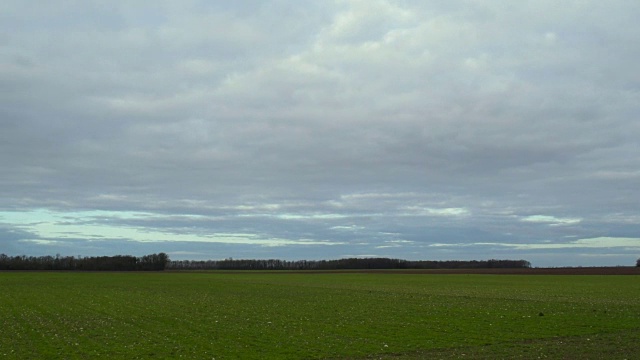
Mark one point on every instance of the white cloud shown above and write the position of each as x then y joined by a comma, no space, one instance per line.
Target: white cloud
590,243
552,220
427,211
347,228
44,242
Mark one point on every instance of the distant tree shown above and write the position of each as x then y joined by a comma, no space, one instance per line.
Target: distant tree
153,262
349,263
90,263
638,262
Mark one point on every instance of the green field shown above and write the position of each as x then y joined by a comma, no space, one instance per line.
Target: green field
249,315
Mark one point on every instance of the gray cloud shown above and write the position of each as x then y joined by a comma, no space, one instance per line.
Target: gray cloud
360,123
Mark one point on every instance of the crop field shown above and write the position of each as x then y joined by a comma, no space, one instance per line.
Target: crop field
262,315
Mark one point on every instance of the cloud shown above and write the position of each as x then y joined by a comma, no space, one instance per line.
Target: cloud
551,220
417,210
599,242
591,243
349,122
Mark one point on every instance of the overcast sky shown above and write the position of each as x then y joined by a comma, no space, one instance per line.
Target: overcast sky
436,130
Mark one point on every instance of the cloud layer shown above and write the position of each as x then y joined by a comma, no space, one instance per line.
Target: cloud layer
448,130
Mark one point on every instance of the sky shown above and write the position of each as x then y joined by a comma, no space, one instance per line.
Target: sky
421,130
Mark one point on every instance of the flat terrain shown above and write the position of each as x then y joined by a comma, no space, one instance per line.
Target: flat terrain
276,315
619,270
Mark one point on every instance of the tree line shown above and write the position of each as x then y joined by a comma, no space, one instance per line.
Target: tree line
349,263
153,262
161,261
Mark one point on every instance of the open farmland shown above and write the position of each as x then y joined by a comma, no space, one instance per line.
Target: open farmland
315,316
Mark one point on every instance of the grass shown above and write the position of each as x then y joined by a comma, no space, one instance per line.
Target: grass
247,315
